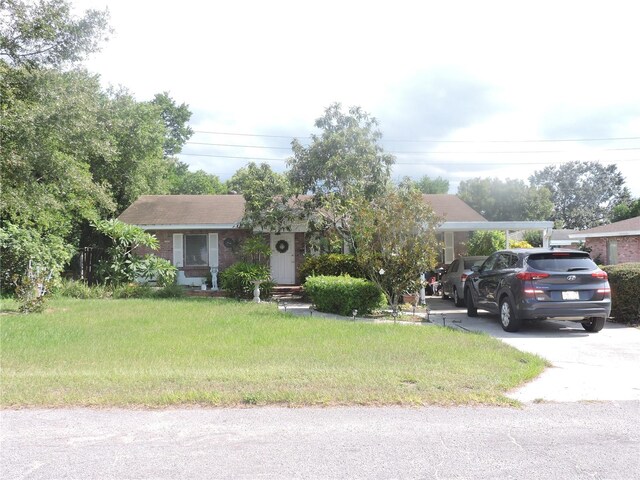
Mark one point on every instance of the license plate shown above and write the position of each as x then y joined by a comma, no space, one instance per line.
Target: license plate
570,295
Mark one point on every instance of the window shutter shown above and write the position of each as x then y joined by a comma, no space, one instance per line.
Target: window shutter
213,250
178,251
448,247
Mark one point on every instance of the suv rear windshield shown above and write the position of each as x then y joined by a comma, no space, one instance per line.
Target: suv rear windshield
561,262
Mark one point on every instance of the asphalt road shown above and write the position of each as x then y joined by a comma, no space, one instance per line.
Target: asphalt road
541,441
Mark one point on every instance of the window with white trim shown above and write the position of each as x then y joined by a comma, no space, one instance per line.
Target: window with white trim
196,253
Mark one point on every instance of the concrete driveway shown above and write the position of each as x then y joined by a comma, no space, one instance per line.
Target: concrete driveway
585,366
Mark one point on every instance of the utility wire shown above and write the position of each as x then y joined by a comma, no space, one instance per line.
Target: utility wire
411,152
603,139
463,162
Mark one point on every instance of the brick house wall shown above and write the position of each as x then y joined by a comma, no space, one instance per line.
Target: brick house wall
628,249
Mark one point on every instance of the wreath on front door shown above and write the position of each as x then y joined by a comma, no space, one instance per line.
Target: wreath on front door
282,246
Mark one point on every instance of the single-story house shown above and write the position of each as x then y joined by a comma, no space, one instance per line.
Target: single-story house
618,242
197,233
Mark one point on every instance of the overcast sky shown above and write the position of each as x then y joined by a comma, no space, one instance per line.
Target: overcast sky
461,89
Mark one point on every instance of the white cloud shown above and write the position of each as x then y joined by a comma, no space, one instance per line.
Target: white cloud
504,70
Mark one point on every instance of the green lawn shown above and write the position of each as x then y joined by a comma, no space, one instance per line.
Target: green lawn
221,353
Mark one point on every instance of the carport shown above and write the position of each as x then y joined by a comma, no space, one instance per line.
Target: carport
450,228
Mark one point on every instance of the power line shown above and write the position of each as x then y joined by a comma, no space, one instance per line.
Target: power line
464,162
603,139
414,152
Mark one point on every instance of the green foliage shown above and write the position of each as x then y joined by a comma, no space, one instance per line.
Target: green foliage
184,182
506,200
31,289
533,238
266,194
24,248
122,265
340,166
395,240
133,290
332,264
45,33
432,185
625,210
171,291
238,278
583,193
80,290
150,267
255,249
343,294
624,279
485,242
176,118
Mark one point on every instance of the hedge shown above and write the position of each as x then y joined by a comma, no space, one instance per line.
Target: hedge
343,294
331,264
624,279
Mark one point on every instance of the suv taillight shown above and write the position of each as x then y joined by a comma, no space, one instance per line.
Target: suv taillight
600,274
531,275
463,277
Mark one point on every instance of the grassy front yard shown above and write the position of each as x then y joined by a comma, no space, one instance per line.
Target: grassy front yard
221,353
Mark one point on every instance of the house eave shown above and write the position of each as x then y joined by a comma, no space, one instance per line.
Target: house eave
192,226
625,233
472,226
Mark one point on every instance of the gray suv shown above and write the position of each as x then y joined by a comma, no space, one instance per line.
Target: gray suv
539,283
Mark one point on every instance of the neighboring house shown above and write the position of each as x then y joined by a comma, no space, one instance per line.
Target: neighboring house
617,242
566,238
197,233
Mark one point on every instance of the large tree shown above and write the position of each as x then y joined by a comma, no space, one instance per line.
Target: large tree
429,185
583,193
343,163
267,195
44,33
626,209
395,241
506,200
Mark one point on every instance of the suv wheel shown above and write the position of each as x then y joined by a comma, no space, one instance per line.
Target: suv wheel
508,317
593,324
456,298
472,311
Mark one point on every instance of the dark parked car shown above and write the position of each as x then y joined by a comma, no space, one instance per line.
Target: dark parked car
457,273
540,283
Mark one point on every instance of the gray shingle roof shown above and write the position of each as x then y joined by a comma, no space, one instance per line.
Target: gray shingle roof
630,226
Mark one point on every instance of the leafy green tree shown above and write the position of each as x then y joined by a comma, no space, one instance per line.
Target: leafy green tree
395,240
44,33
344,163
432,185
184,182
485,242
583,193
626,209
267,194
176,118
506,200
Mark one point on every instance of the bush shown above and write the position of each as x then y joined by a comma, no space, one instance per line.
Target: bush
133,290
79,289
171,291
332,264
485,242
237,280
344,294
625,291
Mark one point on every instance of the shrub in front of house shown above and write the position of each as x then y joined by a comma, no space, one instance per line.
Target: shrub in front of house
624,279
332,264
343,294
237,280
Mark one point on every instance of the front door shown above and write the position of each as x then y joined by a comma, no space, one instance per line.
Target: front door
283,260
